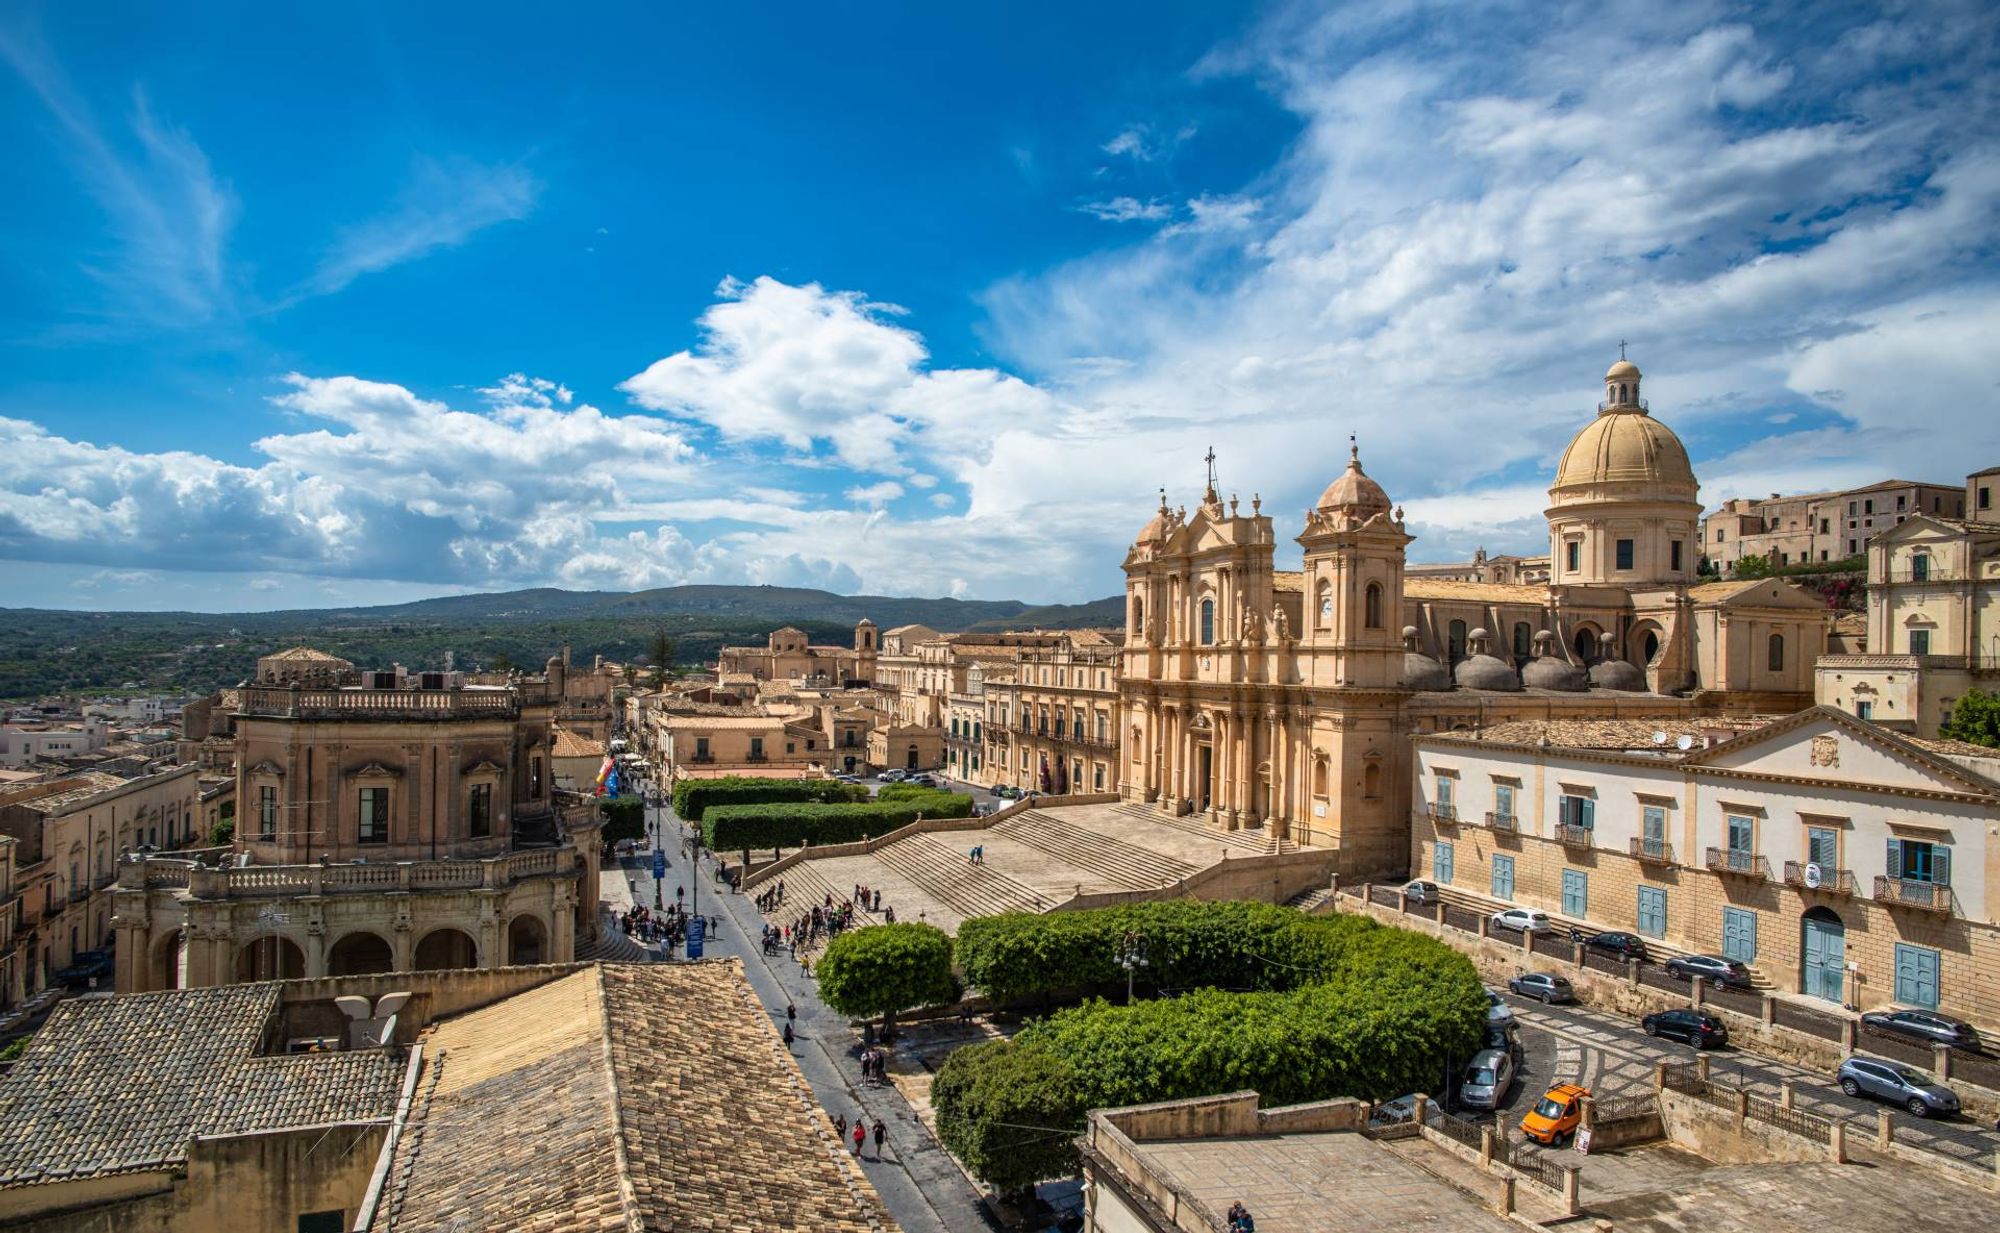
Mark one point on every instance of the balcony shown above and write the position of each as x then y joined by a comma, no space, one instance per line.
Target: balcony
1503,822
1439,815
1743,864
1821,878
1910,893
701,757
1653,852
755,756
1574,836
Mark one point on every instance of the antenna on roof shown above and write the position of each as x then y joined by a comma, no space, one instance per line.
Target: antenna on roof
1685,743
1659,738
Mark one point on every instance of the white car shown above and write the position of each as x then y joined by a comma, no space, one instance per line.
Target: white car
1523,920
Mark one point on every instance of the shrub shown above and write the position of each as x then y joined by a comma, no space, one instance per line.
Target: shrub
624,818
1340,1006
1009,1112
881,969
222,833
693,797
784,824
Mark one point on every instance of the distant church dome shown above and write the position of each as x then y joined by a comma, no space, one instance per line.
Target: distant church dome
1612,672
1625,445
1547,671
1155,530
1353,492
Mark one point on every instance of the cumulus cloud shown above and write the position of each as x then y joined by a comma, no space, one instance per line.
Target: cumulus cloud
875,495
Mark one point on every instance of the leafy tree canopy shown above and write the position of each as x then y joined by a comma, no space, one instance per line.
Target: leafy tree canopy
881,969
1975,717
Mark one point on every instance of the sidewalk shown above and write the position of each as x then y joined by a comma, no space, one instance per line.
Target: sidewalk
920,1184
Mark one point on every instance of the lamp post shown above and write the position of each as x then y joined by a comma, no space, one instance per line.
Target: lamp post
1131,957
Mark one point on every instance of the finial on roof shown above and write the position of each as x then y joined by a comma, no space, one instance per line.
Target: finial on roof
1163,499
1353,450
1621,348
1256,503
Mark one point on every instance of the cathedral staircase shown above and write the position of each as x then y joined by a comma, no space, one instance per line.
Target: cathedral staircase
945,875
1121,864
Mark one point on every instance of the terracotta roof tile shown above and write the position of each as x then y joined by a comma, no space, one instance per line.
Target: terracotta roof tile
1486,592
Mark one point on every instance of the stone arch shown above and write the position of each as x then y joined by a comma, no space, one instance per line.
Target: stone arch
1586,641
1371,606
527,940
1455,635
166,962
1823,953
1371,781
1321,774
445,948
359,954
1643,645
270,957
1524,635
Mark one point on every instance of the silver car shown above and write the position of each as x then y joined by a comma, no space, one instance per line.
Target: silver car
1488,1079
1897,1084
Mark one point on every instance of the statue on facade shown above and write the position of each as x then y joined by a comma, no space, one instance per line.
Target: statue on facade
1253,625
1280,628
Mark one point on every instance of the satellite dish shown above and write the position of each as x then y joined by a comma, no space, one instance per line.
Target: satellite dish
389,1003
1659,738
1684,743
1812,875
353,1006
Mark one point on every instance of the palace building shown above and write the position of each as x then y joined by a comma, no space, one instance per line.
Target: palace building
1267,698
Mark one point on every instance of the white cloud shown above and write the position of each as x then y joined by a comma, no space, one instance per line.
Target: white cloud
1127,210
875,495
445,203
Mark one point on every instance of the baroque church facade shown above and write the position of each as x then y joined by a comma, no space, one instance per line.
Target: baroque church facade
1258,697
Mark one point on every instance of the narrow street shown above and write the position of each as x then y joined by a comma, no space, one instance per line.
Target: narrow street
923,1188
1613,1056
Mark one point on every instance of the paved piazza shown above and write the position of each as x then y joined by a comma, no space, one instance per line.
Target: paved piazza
1034,860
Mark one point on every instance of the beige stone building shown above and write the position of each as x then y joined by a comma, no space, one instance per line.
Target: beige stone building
1503,568
69,838
704,742
1839,860
1265,698
1054,727
379,827
1933,621
788,655
1819,527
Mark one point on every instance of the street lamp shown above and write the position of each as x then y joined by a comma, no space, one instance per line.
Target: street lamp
1131,957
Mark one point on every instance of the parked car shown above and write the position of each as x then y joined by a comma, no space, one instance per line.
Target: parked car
1698,1028
1717,970
1556,1115
1522,920
1542,986
895,775
924,780
87,965
1897,1084
1006,791
1488,1078
1925,1026
1505,1037
1401,1109
1622,945
1421,891
1497,1011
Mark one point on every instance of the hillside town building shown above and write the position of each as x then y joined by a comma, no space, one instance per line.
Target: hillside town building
1818,527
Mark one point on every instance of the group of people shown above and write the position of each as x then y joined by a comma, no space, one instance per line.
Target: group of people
772,899
1240,1220
869,899
668,926
873,1064
977,855
859,1134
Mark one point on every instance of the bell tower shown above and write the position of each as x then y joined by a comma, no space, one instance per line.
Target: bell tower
1354,549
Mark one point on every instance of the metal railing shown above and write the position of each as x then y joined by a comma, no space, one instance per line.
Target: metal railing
1503,821
1653,851
1735,860
1910,893
1807,876
1439,815
1574,836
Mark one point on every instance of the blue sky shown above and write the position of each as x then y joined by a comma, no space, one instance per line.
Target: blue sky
372,302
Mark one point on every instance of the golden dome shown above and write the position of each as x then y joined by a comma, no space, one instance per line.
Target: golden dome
1354,491
1625,445
1625,369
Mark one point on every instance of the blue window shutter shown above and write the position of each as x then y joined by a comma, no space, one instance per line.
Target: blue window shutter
1895,858
1940,865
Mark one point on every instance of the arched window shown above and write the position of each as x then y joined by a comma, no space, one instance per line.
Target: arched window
1207,622
1371,781
1371,607
1138,615
1319,776
1457,643
1586,644
1523,640
1777,657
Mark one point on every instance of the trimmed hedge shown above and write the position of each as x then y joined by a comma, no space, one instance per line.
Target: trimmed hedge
624,818
1343,1007
788,824
881,969
693,797
1187,945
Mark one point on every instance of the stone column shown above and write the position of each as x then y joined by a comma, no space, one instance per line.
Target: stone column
562,929
1169,758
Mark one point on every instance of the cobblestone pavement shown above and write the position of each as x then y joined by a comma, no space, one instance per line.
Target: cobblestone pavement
923,1188
1613,1056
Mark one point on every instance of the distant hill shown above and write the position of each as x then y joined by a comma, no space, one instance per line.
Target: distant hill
45,651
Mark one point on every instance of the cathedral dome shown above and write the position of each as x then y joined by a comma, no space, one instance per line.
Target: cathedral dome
1623,370
1548,672
1617,674
1422,672
1155,530
1353,491
1480,670
1625,445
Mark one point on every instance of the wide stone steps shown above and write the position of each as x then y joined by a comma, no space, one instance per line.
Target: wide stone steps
945,875
1311,899
1123,865
613,945
805,889
1249,836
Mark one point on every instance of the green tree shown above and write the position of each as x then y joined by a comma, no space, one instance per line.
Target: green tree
222,833
1975,717
881,969
660,650
502,662
1752,565
1010,1112
624,818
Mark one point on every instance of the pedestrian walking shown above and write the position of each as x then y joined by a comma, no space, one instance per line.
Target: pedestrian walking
881,1136
791,1012
788,1035
840,1125
860,1134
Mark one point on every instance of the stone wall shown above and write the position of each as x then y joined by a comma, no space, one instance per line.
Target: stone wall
308,1009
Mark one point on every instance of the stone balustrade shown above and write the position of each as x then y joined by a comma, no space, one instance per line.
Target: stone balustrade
429,703
282,881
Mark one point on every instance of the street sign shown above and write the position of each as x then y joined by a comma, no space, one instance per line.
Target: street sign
659,864
1583,1141
697,926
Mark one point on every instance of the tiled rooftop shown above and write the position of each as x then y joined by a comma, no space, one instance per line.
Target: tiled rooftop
1606,733
118,1085
1487,592
644,1096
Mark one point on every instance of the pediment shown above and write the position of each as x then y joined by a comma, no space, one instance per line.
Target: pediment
267,767
1826,744
485,766
376,770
